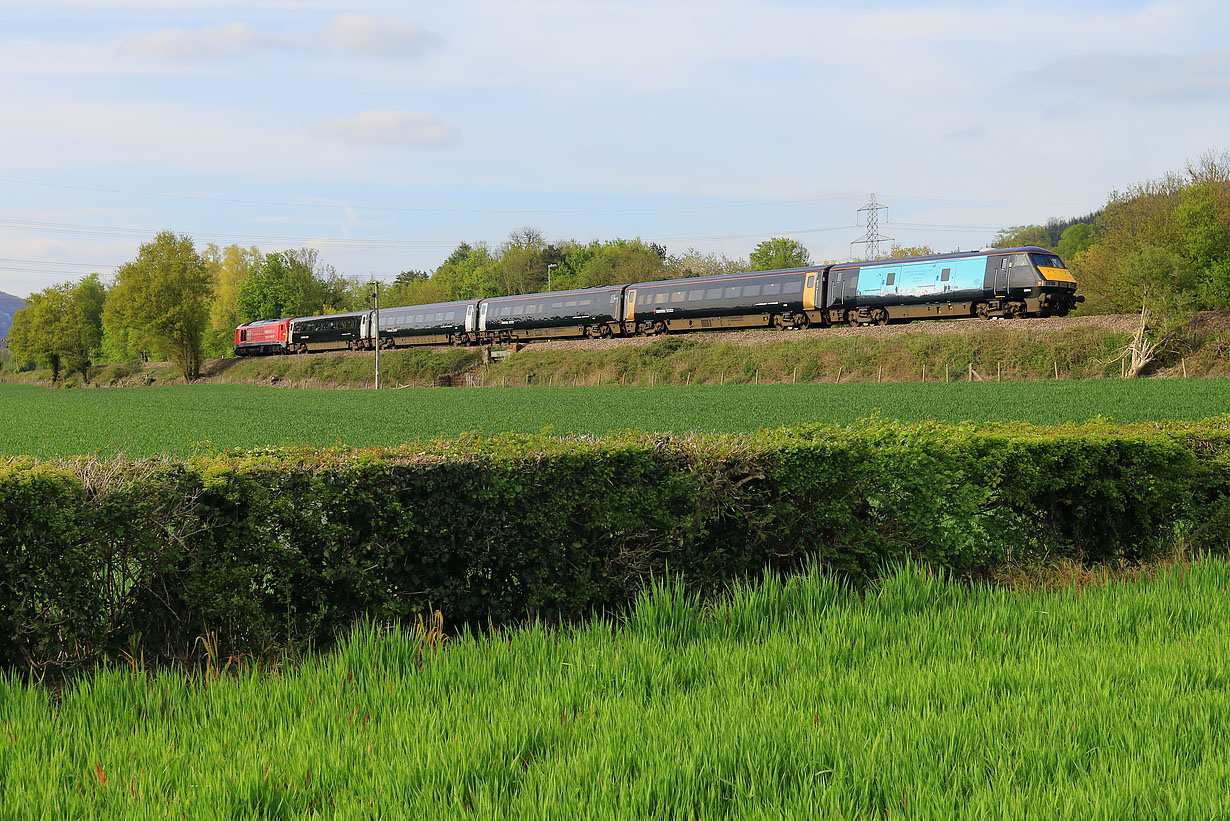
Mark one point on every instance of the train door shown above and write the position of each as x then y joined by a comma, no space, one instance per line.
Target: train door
1001,277
631,315
482,317
470,319
811,290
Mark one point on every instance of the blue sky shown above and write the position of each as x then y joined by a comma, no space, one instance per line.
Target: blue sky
384,133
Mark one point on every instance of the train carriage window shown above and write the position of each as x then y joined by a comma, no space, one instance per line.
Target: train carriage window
795,286
811,280
697,295
557,303
772,288
733,291
945,274
678,296
662,298
891,278
570,303
451,315
440,316
713,293
751,290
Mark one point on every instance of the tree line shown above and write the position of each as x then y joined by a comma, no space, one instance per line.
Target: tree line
1164,243
182,305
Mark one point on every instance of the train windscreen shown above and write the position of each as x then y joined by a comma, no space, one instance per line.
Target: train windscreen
1047,261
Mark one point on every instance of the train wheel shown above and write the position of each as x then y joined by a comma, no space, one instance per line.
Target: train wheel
852,318
982,310
659,328
879,316
604,332
802,322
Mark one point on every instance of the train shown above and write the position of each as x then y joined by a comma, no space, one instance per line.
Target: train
993,282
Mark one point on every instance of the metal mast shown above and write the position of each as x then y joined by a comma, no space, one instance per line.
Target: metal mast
872,238
376,297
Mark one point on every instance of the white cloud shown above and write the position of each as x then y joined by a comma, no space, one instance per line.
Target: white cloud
391,128
226,40
376,36
1143,77
346,34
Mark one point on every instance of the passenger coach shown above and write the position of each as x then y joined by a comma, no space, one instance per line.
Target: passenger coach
785,298
441,323
326,333
585,312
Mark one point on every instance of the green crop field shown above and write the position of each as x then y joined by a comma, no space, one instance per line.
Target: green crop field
917,698
179,420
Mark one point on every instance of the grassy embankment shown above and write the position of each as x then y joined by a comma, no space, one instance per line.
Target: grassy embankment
919,697
183,419
1010,354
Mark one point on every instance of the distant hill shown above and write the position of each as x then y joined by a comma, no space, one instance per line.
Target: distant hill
9,305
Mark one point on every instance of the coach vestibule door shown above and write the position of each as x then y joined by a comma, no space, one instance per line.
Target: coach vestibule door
1001,277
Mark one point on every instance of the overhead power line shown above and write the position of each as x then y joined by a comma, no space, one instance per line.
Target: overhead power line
432,209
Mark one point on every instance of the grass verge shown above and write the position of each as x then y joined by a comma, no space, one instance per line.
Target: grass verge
789,698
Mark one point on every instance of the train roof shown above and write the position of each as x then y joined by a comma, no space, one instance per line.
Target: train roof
454,304
599,289
984,252
256,322
807,269
345,315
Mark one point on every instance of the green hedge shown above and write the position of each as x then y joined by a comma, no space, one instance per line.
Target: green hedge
271,549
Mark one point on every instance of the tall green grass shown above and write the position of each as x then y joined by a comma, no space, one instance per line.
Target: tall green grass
791,698
182,419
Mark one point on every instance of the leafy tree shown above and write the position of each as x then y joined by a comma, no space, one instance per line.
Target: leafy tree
228,269
470,272
779,252
61,327
411,278
32,334
1140,217
161,301
291,283
1203,213
412,288
1019,235
693,263
902,251
1076,239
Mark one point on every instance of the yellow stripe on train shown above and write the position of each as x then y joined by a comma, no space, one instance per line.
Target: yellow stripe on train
1056,274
